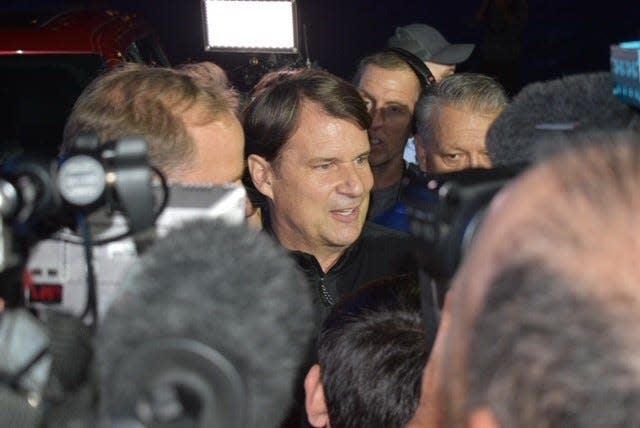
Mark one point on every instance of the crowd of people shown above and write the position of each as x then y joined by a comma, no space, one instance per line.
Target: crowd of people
537,324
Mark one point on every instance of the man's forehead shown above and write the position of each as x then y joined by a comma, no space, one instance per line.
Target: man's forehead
401,80
319,134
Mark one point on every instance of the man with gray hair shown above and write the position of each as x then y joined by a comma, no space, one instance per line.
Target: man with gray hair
452,119
452,122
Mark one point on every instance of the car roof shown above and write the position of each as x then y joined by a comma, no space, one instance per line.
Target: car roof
104,32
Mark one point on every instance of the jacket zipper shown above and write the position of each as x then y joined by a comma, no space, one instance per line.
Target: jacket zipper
324,293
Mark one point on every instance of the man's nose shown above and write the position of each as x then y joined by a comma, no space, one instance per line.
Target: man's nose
353,180
478,160
377,117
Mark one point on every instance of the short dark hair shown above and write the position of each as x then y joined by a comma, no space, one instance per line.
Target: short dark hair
272,116
371,351
386,59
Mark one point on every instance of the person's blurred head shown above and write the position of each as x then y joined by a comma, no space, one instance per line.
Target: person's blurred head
207,73
191,128
452,122
212,324
371,351
307,153
541,312
390,89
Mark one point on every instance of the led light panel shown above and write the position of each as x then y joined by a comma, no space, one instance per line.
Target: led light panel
250,26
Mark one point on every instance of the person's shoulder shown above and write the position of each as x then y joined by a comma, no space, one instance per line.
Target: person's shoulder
373,232
389,250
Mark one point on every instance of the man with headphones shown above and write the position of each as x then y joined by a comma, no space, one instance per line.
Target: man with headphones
390,81
430,47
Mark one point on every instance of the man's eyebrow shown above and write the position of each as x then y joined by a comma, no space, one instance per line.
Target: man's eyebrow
365,153
323,159
402,104
335,159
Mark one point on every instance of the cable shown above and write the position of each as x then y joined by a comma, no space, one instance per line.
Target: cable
91,306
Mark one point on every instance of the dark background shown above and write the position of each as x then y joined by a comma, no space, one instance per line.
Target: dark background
561,36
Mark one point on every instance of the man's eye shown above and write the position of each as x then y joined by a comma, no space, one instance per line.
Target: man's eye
395,110
323,166
452,157
362,160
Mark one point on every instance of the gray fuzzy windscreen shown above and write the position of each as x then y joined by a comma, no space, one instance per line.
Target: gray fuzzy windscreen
217,284
547,111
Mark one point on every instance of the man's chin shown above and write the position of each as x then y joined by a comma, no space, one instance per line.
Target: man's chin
377,158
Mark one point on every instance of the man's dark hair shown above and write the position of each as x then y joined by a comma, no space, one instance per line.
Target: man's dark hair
271,118
386,59
371,353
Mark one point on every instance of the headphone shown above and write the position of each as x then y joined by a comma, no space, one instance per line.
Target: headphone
418,66
420,69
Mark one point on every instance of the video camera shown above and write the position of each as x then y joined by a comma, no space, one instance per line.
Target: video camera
39,197
45,355
52,277
445,212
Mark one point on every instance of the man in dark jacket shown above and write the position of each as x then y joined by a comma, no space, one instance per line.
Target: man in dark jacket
307,155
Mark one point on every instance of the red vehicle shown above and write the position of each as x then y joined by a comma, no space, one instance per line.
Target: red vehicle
45,62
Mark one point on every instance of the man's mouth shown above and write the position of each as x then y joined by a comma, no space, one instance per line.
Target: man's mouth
346,211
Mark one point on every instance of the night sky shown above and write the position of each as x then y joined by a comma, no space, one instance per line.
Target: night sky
561,36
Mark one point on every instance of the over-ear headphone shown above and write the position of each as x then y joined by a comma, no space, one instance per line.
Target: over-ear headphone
421,70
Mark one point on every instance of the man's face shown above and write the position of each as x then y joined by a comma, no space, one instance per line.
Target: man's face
457,140
319,185
390,96
440,71
219,149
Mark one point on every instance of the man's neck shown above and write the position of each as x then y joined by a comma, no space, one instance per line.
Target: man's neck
327,257
388,174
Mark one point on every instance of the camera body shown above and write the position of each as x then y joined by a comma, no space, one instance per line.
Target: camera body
41,196
445,212
56,271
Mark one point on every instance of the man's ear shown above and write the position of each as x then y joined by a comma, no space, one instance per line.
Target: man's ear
482,417
314,402
421,152
261,173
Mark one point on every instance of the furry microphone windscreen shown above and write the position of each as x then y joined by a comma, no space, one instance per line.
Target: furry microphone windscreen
223,286
545,111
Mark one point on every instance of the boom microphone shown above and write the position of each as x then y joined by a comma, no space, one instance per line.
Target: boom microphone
210,329
544,111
